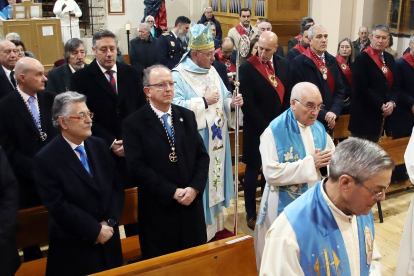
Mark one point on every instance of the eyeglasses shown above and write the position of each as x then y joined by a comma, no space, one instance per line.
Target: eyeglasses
376,195
82,116
209,55
150,21
310,106
164,85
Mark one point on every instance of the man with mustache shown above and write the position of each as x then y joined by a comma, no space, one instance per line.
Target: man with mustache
76,179
317,66
173,45
59,78
331,226
375,87
244,28
293,148
301,46
114,91
26,131
8,59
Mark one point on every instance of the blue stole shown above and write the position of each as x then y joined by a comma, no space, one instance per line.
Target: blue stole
322,248
153,31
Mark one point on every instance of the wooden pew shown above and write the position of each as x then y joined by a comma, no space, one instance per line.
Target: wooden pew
126,58
341,128
225,257
242,166
33,230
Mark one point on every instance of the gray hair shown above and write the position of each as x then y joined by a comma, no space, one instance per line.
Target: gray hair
149,16
411,38
71,45
146,26
380,27
359,158
102,34
310,31
206,8
62,105
148,71
265,22
300,89
15,35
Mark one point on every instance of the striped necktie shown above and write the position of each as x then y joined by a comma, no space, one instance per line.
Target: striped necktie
112,79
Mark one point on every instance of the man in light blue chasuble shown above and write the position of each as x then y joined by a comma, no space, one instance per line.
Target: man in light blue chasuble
200,89
329,230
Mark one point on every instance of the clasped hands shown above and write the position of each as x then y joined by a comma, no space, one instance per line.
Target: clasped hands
321,158
185,196
118,148
387,109
330,117
106,233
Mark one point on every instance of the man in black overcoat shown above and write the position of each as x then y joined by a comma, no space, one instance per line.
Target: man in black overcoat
114,91
143,49
78,184
264,100
169,163
376,92
8,59
317,66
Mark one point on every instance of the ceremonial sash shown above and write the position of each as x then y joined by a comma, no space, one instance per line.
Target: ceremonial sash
300,48
290,148
241,30
381,65
298,38
325,253
269,75
230,65
409,58
345,68
326,74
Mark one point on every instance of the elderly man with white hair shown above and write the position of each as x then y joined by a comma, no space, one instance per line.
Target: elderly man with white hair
209,17
155,31
143,49
294,147
266,26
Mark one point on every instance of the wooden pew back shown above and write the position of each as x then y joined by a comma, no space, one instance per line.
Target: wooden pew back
341,127
225,257
232,135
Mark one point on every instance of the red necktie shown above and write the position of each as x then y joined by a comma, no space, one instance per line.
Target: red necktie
269,65
112,79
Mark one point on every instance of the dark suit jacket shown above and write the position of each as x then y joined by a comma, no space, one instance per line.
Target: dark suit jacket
292,42
77,202
372,90
222,71
9,206
291,54
303,68
170,50
58,79
356,44
21,141
261,105
5,86
402,117
349,92
143,54
166,226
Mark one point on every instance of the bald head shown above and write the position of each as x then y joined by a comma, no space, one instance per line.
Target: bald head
263,27
305,102
30,75
8,54
227,46
267,45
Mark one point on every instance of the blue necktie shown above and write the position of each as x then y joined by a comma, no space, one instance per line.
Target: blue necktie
322,59
81,151
34,110
167,125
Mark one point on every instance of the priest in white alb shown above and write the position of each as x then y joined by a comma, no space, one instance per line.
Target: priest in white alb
200,89
295,149
329,230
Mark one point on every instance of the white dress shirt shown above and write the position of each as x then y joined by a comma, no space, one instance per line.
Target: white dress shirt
115,74
7,72
159,114
26,98
74,146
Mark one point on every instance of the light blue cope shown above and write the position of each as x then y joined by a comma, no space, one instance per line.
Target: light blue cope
317,232
288,140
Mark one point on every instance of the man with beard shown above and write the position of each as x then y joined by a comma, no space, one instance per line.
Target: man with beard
331,226
200,89
59,78
143,50
265,26
8,59
300,47
209,17
306,21
244,28
362,42
317,66
173,45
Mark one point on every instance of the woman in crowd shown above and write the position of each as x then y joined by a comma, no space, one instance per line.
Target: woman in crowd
253,47
345,57
22,49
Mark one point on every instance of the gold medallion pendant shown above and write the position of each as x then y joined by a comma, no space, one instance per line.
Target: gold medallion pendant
272,78
343,65
228,64
384,69
173,156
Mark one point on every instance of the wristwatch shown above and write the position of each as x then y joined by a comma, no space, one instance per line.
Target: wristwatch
111,222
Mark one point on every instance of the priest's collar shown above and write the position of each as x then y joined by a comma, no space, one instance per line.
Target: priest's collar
301,125
188,64
338,214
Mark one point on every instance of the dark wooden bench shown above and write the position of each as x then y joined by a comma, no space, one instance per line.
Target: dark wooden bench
33,230
231,256
341,129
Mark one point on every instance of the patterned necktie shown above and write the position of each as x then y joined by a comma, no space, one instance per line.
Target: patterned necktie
81,151
167,125
112,79
12,80
34,110
269,64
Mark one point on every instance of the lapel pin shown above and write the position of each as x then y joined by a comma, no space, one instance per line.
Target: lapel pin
181,119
